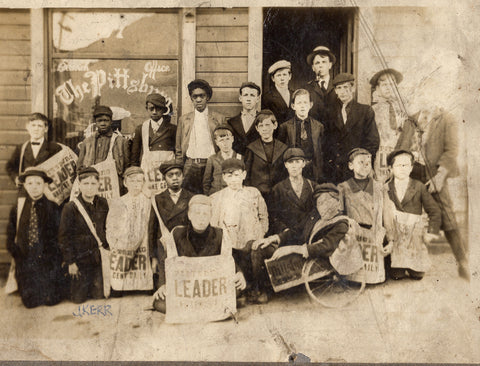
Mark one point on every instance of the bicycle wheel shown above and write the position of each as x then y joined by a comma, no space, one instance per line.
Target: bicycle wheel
328,288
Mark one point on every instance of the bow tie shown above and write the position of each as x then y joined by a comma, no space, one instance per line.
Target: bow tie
35,143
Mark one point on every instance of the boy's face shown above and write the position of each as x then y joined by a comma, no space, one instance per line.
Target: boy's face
134,183
199,99
385,86
361,166
281,78
321,65
402,166
199,215
224,140
301,105
34,186
103,123
295,167
328,206
235,179
249,98
265,129
37,129
155,112
89,187
344,92
174,179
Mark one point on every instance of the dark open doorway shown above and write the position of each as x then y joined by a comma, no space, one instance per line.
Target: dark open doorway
292,33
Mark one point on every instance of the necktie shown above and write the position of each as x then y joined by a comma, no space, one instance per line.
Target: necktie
303,130
33,227
322,85
391,116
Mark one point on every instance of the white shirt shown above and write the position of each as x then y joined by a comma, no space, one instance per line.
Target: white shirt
344,113
247,119
200,145
285,93
326,79
156,125
401,188
174,195
36,148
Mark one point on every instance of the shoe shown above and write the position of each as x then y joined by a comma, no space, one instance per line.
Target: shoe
463,271
241,301
258,297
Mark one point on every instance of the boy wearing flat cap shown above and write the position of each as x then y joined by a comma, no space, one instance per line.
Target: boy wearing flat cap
243,128
195,139
212,179
241,212
158,131
351,125
32,242
277,99
321,89
389,115
81,233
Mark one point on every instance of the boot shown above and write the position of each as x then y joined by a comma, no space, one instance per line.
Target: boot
459,252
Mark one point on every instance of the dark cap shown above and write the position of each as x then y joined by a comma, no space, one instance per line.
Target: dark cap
223,126
169,165
391,156
202,84
157,100
396,74
87,171
343,77
321,50
250,84
132,170
30,172
102,110
325,188
232,164
293,153
357,151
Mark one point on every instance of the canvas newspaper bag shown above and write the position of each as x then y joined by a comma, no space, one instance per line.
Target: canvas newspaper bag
198,289
151,161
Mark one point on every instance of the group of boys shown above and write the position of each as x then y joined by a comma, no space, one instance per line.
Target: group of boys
265,180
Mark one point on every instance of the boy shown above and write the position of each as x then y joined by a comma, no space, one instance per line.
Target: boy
82,231
407,195
33,152
277,99
212,179
243,128
196,239
241,212
306,133
352,125
32,242
263,158
160,132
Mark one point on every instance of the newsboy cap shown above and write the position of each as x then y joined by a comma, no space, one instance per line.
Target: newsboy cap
393,154
102,110
157,100
32,171
232,164
325,188
321,50
357,151
396,74
169,165
132,170
250,84
293,153
202,84
282,64
223,126
199,199
343,77
87,171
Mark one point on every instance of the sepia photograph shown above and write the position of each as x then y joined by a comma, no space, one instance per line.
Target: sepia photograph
240,181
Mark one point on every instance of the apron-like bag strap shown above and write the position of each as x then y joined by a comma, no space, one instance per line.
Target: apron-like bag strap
226,243
167,237
110,149
22,154
145,131
88,221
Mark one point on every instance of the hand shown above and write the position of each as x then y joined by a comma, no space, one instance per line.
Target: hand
436,183
18,184
160,293
387,249
284,251
240,282
154,264
265,242
73,271
342,247
428,237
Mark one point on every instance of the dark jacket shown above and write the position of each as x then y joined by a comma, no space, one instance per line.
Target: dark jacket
162,140
323,101
75,238
273,100
359,131
172,215
260,173
212,178
242,138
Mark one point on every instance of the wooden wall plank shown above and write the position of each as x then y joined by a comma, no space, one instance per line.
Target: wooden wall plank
6,152
14,107
20,48
14,137
3,226
224,79
14,62
5,256
228,110
15,17
15,78
224,95
12,123
222,64
227,49
5,212
15,92
8,197
222,34
14,32
222,17
6,183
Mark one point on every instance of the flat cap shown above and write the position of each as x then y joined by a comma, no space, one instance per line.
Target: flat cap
202,84
132,170
223,126
102,110
396,74
325,188
32,171
282,64
87,171
230,165
321,50
357,151
293,153
250,84
169,165
157,100
343,77
199,199
392,155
